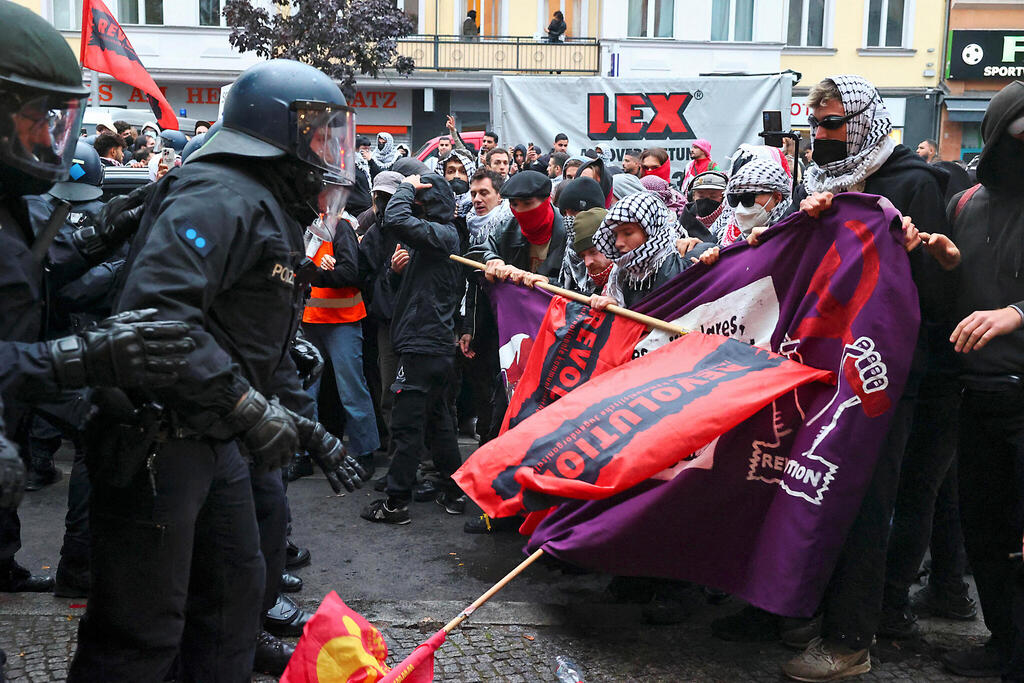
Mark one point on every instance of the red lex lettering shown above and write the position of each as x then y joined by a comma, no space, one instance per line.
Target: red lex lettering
667,110
629,114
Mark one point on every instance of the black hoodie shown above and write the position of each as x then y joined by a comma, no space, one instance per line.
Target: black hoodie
432,284
989,231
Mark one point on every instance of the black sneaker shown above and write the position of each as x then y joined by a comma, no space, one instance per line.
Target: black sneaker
943,604
380,511
980,661
453,503
489,525
898,624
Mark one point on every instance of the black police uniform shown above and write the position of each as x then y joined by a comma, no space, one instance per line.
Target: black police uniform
176,553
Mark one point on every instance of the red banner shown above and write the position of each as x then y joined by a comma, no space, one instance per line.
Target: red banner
628,424
574,344
105,48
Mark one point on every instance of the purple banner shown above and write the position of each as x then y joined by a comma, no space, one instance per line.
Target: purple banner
519,312
762,511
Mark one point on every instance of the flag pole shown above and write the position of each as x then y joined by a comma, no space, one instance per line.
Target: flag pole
647,320
454,623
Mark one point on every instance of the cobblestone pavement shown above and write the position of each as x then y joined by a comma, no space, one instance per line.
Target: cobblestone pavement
410,580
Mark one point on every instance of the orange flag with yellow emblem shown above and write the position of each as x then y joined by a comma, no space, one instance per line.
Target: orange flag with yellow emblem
338,646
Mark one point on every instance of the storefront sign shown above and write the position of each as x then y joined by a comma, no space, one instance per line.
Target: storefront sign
977,54
202,101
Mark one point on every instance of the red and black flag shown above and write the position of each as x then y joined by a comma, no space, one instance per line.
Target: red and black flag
105,48
628,424
574,343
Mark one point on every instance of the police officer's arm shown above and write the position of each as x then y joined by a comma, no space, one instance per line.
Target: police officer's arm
26,372
346,258
196,248
285,384
415,232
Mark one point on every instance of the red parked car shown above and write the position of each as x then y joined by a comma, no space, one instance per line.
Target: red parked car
472,138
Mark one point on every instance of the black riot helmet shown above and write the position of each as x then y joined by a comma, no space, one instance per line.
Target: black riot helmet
41,99
86,176
174,139
285,109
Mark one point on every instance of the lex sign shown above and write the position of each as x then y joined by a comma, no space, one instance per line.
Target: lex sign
621,114
980,54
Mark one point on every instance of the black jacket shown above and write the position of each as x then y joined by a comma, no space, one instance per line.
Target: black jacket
432,284
693,227
379,282
671,267
990,234
216,249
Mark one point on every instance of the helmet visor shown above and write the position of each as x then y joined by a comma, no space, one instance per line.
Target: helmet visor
41,133
325,137
332,202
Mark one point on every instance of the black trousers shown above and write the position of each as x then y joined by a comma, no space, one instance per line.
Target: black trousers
422,403
852,604
992,510
75,548
176,568
268,494
931,451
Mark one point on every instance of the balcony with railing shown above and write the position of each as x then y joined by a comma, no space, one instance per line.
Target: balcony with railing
503,54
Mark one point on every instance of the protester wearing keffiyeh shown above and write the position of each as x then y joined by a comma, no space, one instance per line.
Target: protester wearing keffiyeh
758,175
638,268
868,144
385,156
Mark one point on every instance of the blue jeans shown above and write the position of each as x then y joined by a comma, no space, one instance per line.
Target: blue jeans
343,344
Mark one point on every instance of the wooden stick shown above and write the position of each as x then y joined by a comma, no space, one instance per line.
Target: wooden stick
454,623
647,320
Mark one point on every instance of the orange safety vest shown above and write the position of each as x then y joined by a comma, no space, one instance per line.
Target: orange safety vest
333,304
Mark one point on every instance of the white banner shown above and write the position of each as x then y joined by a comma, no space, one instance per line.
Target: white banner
622,114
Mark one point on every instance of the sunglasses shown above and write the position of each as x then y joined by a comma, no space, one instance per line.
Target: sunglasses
745,198
833,121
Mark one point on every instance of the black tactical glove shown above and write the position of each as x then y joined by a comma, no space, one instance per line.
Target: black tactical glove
12,475
308,360
267,430
117,221
127,350
326,449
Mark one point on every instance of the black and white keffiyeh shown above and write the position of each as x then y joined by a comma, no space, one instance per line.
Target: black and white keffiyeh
573,273
640,264
467,161
386,157
868,144
757,175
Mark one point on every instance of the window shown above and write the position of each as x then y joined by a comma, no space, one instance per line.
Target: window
67,14
732,20
806,27
140,11
650,18
209,13
887,23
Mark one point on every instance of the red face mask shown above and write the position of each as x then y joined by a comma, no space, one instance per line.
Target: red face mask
664,172
536,224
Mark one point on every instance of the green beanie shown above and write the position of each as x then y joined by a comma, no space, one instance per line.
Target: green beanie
587,223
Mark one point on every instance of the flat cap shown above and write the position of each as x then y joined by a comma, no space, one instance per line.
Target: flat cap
526,184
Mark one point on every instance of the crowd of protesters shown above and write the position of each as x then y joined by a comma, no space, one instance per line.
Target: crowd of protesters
397,353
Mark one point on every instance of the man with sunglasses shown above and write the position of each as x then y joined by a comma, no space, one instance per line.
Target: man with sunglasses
853,152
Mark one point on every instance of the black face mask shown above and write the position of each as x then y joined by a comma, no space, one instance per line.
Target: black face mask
705,206
380,144
1006,161
459,186
827,151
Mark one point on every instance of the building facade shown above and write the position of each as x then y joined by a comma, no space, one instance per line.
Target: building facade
984,53
184,46
895,44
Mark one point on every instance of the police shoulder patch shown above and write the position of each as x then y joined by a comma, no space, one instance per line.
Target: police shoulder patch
195,238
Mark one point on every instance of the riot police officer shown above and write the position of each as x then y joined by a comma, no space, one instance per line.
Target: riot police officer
41,99
176,561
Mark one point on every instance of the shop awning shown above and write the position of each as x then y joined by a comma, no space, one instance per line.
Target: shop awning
964,109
